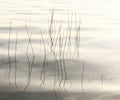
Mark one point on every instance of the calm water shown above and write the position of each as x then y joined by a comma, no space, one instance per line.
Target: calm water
99,39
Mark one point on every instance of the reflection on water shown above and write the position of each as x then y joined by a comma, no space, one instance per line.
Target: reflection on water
72,42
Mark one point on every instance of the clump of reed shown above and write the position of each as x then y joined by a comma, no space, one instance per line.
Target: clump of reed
60,44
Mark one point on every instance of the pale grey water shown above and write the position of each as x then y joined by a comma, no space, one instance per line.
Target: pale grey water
99,45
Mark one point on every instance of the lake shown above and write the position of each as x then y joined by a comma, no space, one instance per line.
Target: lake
60,45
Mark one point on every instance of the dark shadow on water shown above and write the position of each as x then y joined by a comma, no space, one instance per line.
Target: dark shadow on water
48,96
